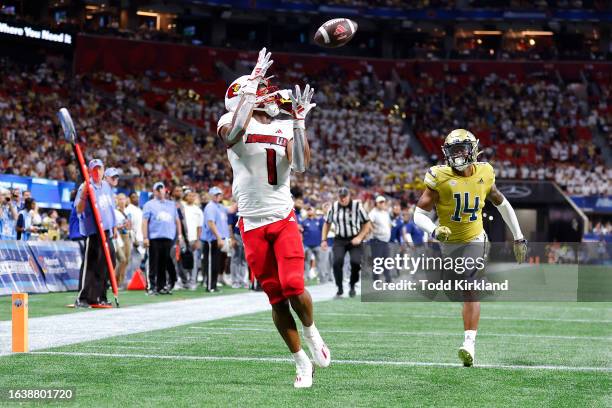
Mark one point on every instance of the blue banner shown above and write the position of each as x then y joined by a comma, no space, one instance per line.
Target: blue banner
59,262
53,193
19,272
47,193
594,204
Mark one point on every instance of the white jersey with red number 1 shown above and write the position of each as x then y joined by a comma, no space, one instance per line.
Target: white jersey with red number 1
261,171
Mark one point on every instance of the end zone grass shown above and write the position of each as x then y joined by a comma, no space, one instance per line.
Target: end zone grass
528,354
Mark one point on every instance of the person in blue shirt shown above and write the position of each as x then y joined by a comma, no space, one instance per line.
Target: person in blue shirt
160,227
93,284
312,228
24,225
8,216
413,235
215,231
397,228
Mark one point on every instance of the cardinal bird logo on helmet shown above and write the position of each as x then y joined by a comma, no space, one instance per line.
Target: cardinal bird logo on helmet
233,90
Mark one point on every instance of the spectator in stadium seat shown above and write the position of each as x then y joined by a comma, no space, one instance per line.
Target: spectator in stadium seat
160,227
8,216
215,232
381,233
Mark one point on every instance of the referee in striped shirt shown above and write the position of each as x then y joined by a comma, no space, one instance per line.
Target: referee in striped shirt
352,225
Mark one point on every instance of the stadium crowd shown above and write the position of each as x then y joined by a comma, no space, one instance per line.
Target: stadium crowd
555,124
358,120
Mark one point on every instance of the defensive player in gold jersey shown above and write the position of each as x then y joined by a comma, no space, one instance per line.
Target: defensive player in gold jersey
457,190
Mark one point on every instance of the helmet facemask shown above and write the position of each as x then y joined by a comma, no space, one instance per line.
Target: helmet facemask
268,98
461,155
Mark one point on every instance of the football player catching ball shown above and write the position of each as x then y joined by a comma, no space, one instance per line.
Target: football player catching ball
262,151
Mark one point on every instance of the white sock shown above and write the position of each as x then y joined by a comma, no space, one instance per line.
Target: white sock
470,336
310,331
301,359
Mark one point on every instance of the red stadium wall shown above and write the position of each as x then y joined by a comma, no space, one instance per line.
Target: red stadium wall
122,57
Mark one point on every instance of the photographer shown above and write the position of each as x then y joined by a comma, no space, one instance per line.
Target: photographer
8,216
24,221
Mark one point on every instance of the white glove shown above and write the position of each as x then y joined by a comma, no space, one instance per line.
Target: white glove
259,72
301,105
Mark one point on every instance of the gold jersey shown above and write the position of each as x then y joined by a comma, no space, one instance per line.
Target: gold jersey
461,198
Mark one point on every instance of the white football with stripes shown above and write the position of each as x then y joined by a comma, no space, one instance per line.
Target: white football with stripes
335,33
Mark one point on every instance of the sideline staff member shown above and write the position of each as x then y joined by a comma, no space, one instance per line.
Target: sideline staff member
160,227
95,271
352,226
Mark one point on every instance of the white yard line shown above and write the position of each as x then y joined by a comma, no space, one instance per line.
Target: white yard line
216,329
350,362
65,329
486,317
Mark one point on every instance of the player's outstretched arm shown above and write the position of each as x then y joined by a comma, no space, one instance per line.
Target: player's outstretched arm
301,105
422,213
232,133
509,216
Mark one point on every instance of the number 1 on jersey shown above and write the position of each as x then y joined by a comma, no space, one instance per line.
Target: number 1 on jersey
271,164
466,207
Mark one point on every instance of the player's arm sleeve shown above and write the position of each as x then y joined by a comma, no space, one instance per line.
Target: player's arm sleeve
299,150
240,119
431,179
423,221
509,216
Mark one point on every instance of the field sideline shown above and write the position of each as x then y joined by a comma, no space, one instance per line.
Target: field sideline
386,354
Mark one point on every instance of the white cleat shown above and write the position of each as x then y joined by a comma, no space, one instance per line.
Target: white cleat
303,378
466,354
318,350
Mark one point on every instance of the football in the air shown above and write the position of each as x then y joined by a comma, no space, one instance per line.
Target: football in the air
335,33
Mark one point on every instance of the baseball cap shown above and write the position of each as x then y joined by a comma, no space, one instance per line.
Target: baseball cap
111,172
215,190
187,190
380,199
158,185
95,163
343,191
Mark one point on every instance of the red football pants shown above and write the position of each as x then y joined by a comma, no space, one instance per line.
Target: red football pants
275,255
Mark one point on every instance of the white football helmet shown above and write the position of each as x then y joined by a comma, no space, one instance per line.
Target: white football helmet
270,99
232,95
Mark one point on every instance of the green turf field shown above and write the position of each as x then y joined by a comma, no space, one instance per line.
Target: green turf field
386,354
